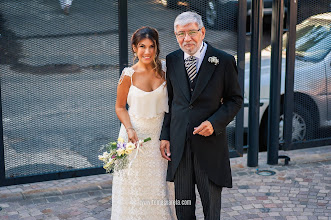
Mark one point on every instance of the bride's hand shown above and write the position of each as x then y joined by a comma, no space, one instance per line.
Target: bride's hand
132,135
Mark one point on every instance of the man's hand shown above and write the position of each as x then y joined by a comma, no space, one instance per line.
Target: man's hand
165,149
204,129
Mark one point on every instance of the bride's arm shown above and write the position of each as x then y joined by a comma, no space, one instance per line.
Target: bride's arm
120,108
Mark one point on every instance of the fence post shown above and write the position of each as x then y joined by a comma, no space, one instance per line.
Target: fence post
2,147
275,80
123,33
289,73
239,132
254,84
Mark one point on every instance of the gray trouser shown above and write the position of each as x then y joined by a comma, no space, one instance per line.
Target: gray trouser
187,175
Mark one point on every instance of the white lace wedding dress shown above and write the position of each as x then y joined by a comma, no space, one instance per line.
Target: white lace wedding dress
141,191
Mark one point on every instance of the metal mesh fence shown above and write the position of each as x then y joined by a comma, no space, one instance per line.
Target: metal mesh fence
312,83
220,21
59,73
312,115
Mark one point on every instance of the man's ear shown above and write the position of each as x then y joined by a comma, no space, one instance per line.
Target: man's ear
203,31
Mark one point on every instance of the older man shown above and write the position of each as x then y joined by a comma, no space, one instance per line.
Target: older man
204,97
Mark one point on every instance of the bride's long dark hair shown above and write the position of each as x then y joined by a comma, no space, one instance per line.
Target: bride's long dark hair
152,34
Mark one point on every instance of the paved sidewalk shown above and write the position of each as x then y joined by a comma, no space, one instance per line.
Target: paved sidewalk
301,190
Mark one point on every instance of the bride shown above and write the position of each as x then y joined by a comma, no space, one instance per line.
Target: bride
141,191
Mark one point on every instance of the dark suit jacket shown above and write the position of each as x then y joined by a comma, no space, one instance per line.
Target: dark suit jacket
217,98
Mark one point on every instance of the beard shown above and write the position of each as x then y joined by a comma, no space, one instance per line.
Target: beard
192,49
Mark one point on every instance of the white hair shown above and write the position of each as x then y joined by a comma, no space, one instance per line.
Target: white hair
188,17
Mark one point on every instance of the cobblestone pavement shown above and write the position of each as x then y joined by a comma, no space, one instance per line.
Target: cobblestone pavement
301,190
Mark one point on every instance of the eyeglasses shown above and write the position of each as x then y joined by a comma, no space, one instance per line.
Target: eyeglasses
191,33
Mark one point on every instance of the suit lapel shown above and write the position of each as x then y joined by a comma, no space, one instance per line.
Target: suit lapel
181,75
204,74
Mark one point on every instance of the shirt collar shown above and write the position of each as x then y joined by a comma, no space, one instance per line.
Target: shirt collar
198,53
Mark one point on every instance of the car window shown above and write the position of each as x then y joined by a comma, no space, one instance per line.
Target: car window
313,42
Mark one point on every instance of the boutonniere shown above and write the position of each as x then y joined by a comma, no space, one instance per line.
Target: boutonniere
214,60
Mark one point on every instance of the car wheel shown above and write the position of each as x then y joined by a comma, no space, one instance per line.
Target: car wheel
302,126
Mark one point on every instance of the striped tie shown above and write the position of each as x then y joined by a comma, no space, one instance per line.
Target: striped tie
191,67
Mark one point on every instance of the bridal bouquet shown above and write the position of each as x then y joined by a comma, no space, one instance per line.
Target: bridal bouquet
116,155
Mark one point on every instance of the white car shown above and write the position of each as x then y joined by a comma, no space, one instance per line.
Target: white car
312,81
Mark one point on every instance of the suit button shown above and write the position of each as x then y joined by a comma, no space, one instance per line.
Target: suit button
190,107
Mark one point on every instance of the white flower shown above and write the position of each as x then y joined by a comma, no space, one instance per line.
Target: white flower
111,161
101,157
130,146
104,157
214,60
120,140
120,151
108,164
128,150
